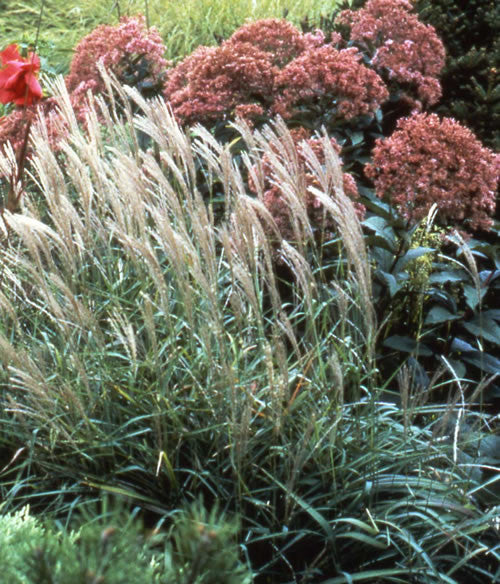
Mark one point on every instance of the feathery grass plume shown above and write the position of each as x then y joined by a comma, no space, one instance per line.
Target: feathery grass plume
457,239
164,230
345,215
273,152
274,186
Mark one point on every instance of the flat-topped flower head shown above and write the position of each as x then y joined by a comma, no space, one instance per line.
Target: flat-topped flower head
400,46
216,83
18,77
128,49
237,78
335,78
278,37
428,160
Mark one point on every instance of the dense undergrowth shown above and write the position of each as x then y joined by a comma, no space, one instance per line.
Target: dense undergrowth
249,313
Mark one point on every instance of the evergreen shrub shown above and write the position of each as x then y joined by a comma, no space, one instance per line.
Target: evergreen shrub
469,30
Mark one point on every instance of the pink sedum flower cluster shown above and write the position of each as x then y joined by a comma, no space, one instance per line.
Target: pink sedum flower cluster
268,67
428,160
409,51
280,38
112,46
213,82
276,203
118,48
333,76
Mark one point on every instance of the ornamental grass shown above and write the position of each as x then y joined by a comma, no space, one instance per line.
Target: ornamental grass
150,353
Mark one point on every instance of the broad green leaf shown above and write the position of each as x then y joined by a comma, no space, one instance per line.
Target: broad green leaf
357,138
382,229
444,277
458,368
391,282
460,346
383,257
443,298
410,255
485,328
488,276
493,313
378,242
438,314
471,295
407,345
483,361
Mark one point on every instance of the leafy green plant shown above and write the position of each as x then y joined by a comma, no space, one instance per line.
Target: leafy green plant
19,534
204,550
435,297
150,350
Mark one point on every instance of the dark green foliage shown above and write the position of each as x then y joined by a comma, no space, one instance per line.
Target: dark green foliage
138,73
438,300
470,31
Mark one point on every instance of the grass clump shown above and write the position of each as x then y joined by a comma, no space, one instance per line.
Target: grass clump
150,350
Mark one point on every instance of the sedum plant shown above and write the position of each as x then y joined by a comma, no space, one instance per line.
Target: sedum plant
132,51
428,161
407,53
251,78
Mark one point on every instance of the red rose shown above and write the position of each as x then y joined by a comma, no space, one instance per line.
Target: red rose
18,82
